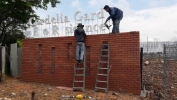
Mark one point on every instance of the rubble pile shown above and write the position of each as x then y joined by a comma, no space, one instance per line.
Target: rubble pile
153,77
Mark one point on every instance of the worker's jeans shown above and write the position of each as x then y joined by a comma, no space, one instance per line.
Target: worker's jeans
80,46
116,23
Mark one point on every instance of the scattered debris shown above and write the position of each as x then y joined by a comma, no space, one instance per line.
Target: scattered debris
175,98
146,62
45,94
6,99
49,89
114,93
153,75
64,88
162,61
26,91
13,94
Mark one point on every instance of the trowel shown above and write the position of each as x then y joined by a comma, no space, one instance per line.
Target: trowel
107,26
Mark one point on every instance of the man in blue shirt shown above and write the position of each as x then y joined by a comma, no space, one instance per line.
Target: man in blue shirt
116,15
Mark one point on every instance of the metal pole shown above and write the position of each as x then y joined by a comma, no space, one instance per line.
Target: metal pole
1,64
147,45
141,63
164,71
109,24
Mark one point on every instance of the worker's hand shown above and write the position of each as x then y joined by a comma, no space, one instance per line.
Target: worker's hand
106,21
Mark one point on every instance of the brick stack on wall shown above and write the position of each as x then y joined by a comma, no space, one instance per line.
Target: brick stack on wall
52,60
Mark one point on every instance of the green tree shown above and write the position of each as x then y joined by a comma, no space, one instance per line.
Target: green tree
14,15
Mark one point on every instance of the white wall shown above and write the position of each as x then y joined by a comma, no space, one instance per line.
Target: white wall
3,62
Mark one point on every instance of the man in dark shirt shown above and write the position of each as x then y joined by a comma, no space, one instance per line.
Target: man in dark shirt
116,15
80,34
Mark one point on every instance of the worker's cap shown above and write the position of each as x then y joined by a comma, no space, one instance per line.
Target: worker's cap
80,25
106,6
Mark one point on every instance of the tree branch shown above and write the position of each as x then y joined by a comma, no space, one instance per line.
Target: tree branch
6,12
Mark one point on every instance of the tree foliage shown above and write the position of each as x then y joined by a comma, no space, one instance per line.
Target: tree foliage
14,15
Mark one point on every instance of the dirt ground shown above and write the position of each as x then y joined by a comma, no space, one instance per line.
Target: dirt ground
15,89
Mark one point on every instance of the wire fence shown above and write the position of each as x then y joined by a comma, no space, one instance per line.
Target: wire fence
159,69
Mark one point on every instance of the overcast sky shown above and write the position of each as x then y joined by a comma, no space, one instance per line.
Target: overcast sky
155,19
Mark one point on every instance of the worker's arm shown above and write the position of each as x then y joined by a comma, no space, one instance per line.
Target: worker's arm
75,33
111,15
84,34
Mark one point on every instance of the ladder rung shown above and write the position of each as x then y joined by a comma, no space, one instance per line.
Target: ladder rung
102,81
80,63
79,75
79,68
103,74
104,49
79,81
103,62
104,55
77,87
103,68
105,44
101,88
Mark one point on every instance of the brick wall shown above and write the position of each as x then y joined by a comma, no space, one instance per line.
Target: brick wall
51,60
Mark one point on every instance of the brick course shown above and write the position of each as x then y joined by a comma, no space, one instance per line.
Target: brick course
124,58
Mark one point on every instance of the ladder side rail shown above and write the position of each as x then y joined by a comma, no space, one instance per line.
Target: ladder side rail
98,66
108,68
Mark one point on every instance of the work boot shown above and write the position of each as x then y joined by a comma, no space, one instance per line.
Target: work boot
81,61
78,61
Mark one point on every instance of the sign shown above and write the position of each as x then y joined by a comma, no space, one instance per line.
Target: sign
61,25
